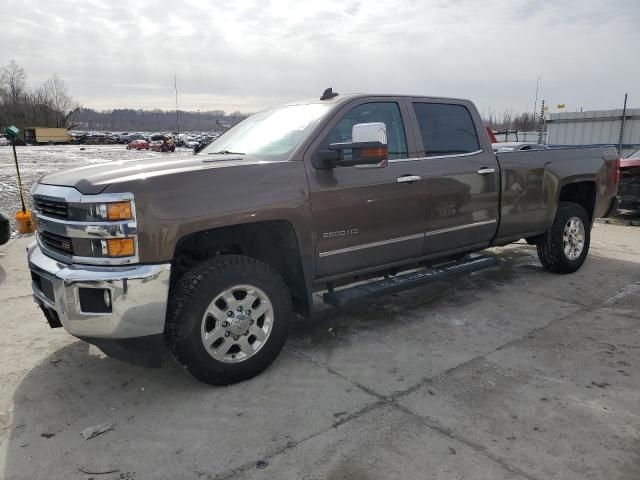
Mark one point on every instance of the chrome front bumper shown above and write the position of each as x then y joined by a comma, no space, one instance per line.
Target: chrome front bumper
138,296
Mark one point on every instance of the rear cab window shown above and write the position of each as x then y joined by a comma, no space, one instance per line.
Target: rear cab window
446,129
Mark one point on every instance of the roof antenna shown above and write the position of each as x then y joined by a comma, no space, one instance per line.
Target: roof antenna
328,94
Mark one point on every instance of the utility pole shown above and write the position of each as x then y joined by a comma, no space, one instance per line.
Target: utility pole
535,104
175,85
624,118
541,123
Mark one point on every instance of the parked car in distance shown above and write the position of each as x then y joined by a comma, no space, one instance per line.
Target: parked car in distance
516,146
356,196
191,142
629,186
202,144
162,143
5,228
4,141
138,145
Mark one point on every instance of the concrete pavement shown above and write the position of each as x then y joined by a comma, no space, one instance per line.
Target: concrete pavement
510,373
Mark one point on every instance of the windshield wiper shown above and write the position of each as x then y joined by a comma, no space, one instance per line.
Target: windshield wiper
225,152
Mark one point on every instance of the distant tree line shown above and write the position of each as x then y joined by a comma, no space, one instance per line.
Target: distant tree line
48,105
522,122
126,119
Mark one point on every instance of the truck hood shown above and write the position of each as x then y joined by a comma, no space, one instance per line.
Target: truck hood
93,179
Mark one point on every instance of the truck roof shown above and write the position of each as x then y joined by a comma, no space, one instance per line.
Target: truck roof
343,97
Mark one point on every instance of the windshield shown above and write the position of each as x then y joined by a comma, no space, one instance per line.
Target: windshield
271,132
635,154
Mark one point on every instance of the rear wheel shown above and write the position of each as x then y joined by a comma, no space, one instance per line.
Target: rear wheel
229,319
564,247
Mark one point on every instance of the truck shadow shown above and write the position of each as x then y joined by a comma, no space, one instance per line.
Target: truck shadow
76,386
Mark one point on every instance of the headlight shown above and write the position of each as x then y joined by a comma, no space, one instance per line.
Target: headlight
118,211
100,212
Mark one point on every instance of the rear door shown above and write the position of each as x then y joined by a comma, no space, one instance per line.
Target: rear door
461,175
366,217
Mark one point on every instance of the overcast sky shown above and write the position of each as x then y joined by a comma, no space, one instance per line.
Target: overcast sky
246,55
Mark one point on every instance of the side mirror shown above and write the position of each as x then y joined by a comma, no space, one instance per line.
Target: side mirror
368,148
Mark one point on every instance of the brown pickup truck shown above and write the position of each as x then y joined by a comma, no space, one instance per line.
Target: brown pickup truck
214,253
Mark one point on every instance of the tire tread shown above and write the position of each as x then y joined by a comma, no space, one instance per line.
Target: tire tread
549,246
177,326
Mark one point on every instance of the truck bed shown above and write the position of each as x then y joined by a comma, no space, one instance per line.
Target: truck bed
531,182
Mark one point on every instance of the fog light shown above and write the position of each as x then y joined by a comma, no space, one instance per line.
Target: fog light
94,300
120,247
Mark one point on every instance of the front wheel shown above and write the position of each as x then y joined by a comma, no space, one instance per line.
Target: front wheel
229,319
564,247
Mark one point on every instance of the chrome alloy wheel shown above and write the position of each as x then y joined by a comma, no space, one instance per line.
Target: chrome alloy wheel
573,238
237,324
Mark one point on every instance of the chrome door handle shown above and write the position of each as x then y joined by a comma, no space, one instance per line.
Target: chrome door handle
486,171
408,178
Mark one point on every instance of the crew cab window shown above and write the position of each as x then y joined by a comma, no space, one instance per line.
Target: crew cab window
446,129
386,112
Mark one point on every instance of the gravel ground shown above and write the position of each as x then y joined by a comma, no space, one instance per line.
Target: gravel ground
40,160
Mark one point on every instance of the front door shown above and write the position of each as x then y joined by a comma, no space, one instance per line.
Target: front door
461,176
365,217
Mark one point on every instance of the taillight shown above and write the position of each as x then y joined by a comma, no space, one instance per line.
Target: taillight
618,173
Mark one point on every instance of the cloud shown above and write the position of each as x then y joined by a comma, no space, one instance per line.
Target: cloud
251,54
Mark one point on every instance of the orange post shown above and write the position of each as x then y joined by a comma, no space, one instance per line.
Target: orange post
23,217
25,222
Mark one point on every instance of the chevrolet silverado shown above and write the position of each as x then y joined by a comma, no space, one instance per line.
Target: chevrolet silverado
354,195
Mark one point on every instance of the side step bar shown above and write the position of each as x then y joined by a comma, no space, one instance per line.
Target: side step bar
350,295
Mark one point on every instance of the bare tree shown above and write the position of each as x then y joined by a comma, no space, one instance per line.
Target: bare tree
13,89
522,122
57,97
50,105
13,82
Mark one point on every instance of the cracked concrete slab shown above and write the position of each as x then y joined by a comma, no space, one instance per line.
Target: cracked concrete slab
388,347
383,444
167,424
560,403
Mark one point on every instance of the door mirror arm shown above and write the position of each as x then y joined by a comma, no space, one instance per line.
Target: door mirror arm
326,159
362,153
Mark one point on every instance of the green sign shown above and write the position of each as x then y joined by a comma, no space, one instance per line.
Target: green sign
12,132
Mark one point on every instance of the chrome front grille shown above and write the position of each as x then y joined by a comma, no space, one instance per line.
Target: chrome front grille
66,235
58,243
51,208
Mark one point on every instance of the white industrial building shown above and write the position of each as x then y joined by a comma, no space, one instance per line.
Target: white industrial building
595,128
